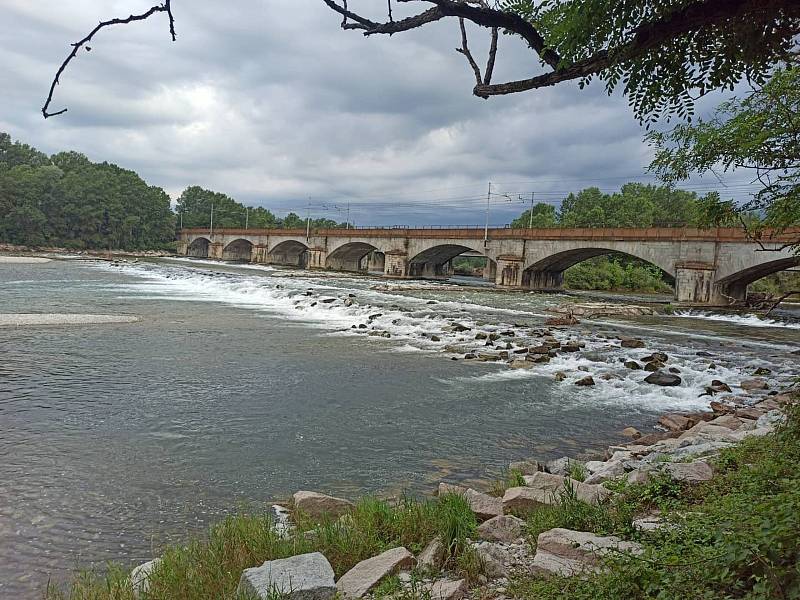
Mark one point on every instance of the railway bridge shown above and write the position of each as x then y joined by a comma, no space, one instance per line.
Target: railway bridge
709,266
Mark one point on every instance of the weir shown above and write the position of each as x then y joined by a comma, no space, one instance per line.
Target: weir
710,267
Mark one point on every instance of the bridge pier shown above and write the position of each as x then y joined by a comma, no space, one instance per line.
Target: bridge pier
509,271
215,250
315,258
694,282
182,248
543,280
490,270
396,265
431,270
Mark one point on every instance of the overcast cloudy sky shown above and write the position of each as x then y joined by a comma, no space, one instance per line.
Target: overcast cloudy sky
272,103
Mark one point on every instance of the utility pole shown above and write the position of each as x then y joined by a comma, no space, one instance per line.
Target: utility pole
308,220
211,228
246,217
530,220
486,226
348,215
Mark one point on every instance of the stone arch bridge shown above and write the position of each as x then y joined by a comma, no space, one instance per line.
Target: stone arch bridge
709,266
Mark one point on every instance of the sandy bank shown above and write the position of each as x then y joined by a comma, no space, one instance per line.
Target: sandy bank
30,319
22,260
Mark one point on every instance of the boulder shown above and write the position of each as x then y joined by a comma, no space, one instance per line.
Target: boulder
664,379
317,505
648,523
657,356
673,422
302,577
445,589
432,557
560,376
566,552
754,384
693,472
494,558
483,505
631,343
546,488
749,413
729,421
521,364
632,433
140,577
633,365
653,438
770,419
638,477
539,349
526,467
585,381
367,574
504,528
653,366
558,466
610,470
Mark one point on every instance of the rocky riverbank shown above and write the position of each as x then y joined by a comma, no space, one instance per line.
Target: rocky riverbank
505,543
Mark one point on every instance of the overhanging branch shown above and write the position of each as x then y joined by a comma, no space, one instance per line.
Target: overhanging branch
159,8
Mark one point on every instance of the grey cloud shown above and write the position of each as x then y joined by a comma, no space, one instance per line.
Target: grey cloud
272,103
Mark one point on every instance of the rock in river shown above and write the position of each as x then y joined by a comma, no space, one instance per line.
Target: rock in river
661,378
316,505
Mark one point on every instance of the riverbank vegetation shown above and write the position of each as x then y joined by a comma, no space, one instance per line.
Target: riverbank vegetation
735,536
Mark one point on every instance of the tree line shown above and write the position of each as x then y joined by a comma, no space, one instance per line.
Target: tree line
66,200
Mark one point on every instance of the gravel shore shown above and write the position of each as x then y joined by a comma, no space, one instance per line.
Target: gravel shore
30,319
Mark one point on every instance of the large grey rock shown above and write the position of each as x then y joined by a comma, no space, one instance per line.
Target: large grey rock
494,558
505,528
367,574
611,469
546,489
432,556
703,432
566,552
526,467
693,472
558,466
483,505
302,577
317,505
140,577
770,419
730,421
446,589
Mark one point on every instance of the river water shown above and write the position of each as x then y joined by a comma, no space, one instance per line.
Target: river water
241,384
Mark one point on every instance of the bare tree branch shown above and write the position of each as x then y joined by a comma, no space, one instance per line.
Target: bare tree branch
487,78
781,299
159,8
465,51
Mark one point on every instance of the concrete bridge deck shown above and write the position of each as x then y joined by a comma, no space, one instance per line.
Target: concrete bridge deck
709,266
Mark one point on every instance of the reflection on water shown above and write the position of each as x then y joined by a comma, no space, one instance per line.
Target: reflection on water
242,384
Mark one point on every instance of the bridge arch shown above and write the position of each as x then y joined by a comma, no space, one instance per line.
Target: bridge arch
199,248
289,252
735,284
238,249
548,272
349,256
435,261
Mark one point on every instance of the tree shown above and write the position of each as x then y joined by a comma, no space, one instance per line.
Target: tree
541,215
758,133
67,200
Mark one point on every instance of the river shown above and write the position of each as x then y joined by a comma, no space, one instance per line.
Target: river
239,385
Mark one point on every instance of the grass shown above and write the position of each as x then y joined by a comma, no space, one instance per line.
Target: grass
509,478
737,536
577,471
210,568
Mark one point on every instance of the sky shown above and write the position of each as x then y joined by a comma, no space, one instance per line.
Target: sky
270,102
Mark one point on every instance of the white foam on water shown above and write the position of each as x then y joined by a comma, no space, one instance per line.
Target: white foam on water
411,321
745,320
